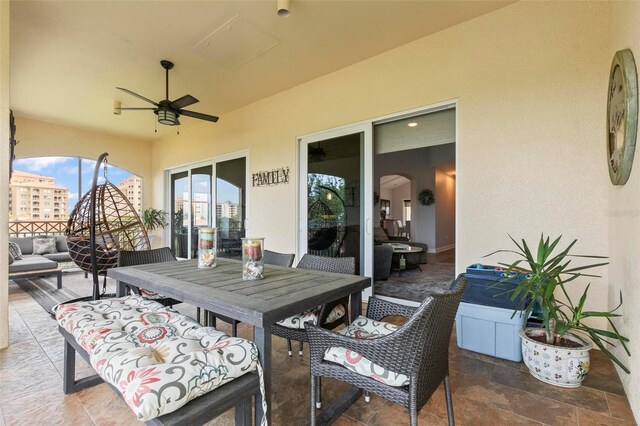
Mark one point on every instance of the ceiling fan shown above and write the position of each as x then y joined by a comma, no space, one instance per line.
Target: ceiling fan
167,111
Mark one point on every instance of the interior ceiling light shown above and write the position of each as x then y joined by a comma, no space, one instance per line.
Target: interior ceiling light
283,8
412,124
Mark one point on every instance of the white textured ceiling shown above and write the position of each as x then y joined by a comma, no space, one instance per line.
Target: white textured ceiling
67,57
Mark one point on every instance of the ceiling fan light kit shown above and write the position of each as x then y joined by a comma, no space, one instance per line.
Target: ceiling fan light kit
167,117
167,111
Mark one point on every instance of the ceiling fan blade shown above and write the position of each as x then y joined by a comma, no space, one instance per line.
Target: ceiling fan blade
137,96
151,109
198,115
184,101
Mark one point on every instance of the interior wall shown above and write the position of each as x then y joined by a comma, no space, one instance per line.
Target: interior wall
530,110
398,195
445,195
4,172
623,217
42,139
419,166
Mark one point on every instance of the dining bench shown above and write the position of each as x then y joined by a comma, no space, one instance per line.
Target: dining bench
168,368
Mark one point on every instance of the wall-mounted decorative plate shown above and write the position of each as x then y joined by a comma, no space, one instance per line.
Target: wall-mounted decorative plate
622,116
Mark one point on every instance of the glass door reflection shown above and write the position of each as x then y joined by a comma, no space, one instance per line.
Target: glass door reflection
179,214
230,206
201,186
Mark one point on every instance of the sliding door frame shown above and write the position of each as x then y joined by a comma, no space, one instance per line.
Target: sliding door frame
366,164
168,201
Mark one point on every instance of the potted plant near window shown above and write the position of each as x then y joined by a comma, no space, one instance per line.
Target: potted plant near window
153,219
558,351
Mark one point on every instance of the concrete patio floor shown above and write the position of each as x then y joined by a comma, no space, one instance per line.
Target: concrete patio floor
486,390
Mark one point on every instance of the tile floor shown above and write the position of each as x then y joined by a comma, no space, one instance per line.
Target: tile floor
485,390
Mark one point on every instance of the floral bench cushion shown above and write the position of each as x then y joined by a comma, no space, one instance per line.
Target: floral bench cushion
150,294
297,321
365,328
155,357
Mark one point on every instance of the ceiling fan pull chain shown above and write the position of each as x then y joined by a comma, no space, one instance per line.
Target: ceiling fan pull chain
155,125
178,129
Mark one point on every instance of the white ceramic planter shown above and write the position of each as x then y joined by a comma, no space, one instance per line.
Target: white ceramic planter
565,367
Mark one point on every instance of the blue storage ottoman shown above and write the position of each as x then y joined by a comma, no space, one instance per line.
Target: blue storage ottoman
485,321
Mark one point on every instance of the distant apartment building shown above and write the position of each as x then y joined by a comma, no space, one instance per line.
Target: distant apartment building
35,197
131,187
227,209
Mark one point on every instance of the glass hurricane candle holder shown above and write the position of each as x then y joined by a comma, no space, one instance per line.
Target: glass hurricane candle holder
207,245
252,258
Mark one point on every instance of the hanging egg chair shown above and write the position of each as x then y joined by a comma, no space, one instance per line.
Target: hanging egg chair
323,227
101,224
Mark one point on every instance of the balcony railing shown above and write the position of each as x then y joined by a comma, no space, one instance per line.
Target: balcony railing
27,228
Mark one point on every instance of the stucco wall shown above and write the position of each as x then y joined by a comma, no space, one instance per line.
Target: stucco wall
4,171
530,80
42,139
623,217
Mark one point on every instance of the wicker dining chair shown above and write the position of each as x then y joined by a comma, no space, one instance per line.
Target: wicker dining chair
414,356
278,259
340,265
270,258
144,257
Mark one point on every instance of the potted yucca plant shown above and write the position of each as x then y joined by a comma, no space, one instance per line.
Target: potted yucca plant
558,351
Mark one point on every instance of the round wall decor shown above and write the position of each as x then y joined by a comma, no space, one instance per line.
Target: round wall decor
622,116
426,197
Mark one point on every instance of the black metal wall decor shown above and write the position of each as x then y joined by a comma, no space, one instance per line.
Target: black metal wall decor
101,224
270,177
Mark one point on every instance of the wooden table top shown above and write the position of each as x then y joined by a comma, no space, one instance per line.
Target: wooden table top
283,291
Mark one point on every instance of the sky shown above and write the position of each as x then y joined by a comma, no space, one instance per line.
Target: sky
65,172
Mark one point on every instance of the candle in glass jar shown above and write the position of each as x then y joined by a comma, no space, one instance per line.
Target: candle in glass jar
206,238
253,250
206,247
252,261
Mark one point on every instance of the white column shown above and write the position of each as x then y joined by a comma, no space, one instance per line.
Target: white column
4,173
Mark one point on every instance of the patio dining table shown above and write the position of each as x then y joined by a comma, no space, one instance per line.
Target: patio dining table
261,303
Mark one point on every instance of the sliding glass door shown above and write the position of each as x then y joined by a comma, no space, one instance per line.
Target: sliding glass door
230,206
192,191
335,211
180,214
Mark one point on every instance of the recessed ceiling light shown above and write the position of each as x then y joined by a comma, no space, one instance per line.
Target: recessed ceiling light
412,124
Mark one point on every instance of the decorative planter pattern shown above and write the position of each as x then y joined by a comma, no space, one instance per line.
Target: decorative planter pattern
564,367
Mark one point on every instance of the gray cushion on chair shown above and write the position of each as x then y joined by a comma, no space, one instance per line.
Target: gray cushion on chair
32,263
379,236
59,257
14,251
61,244
25,244
44,245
